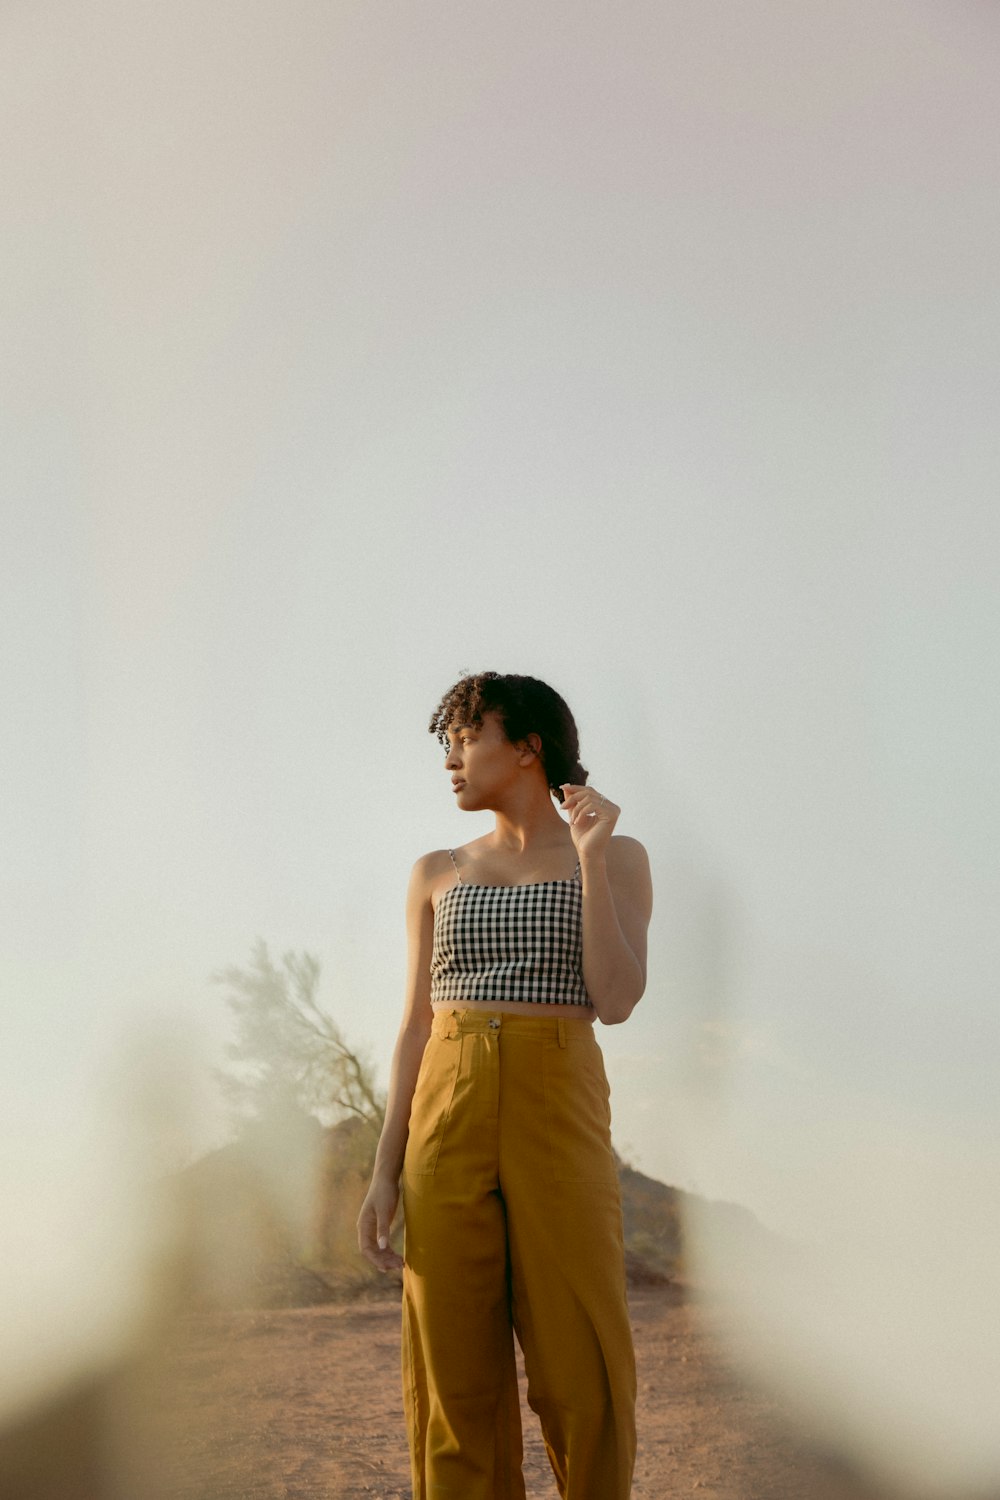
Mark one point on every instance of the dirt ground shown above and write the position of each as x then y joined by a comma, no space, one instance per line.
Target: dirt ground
305,1405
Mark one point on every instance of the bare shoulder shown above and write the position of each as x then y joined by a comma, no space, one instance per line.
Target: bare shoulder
627,854
430,865
628,870
429,868
431,874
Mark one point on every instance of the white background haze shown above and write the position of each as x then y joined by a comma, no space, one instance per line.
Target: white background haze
651,350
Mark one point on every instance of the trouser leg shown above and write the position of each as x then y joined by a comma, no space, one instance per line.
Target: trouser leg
567,1263
459,1376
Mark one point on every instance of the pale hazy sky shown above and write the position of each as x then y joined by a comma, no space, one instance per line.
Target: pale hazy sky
650,349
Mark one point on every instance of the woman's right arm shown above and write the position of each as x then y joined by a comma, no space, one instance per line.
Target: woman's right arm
382,1198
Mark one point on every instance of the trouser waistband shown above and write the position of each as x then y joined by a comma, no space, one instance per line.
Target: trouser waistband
452,1023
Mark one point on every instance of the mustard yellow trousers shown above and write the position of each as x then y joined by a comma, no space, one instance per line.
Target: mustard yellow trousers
513,1224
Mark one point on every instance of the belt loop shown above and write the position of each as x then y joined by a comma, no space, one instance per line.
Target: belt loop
561,1030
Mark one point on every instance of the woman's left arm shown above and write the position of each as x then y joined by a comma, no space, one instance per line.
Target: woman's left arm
617,904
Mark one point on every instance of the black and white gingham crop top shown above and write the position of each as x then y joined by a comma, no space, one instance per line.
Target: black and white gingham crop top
509,942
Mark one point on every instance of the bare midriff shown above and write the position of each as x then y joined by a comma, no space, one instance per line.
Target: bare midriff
519,1008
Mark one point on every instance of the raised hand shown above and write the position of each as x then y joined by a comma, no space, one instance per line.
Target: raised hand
592,817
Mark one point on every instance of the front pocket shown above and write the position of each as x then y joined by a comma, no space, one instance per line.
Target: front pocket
432,1101
578,1113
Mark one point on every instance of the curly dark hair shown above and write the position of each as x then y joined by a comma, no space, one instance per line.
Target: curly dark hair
524,706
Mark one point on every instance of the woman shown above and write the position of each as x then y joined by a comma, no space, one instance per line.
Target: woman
497,1127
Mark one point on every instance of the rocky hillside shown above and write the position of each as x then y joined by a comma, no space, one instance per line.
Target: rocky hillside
254,1229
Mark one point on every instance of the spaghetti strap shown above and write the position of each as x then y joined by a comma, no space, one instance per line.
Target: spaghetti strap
576,872
451,856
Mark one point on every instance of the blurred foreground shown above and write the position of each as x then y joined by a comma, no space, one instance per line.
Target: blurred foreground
220,1338
251,1375
305,1404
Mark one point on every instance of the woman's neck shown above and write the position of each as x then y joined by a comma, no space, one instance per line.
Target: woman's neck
533,826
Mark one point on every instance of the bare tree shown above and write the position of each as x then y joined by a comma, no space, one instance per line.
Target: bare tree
288,1047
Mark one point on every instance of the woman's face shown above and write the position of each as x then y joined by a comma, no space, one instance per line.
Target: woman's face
482,762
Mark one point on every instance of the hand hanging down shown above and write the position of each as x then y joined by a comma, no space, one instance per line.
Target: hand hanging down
375,1222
